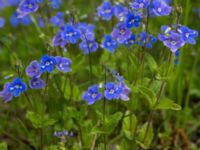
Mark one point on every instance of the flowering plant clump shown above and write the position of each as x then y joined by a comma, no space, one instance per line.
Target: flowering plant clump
107,74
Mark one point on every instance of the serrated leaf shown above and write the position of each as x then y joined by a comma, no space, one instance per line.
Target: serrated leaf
167,104
145,136
148,94
39,121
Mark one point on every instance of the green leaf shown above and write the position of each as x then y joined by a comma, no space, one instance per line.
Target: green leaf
148,94
145,136
112,121
39,121
3,146
167,104
152,63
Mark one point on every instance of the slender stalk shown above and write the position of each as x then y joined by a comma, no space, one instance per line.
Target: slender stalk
41,138
28,99
104,113
90,58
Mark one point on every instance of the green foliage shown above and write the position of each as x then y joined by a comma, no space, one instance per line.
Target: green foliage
145,136
167,104
3,146
39,121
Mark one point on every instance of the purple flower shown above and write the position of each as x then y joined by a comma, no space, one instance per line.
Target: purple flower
109,43
160,8
88,46
173,41
120,12
36,83
132,20
112,91
105,11
70,34
2,22
16,87
140,4
92,95
130,41
86,31
125,91
55,4
33,70
58,41
26,7
188,35
121,32
63,64
57,20
47,63
6,94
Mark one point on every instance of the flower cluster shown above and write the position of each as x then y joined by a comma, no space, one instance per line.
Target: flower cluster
112,90
128,19
47,64
176,36
14,88
72,33
35,70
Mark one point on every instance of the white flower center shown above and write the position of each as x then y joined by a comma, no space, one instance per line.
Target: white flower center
111,91
141,5
187,35
173,42
159,9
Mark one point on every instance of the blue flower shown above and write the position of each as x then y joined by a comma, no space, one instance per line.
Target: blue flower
88,46
188,35
146,39
121,32
17,87
26,20
55,3
70,34
160,8
63,64
26,7
86,31
92,95
14,21
109,43
58,41
6,94
173,41
140,4
33,70
2,22
105,11
36,83
112,91
130,41
47,63
57,20
120,12
132,20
